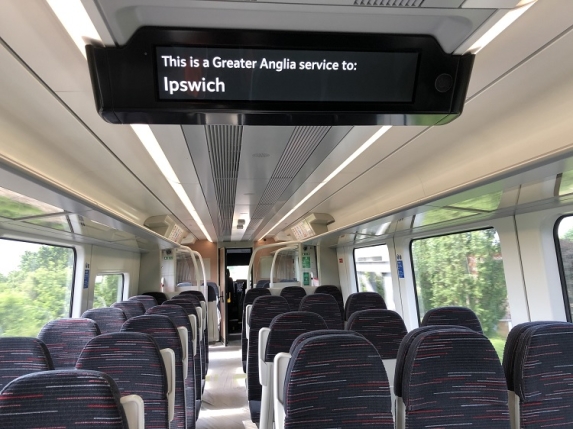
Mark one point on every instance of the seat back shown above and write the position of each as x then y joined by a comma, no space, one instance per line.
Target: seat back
130,308
203,302
146,300
165,334
264,310
452,377
363,301
108,319
136,366
278,338
160,297
543,376
326,306
458,316
58,399
335,292
336,380
250,296
66,338
20,356
293,295
213,311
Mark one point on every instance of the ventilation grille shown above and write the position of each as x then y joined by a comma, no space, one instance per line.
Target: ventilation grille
302,143
224,145
389,3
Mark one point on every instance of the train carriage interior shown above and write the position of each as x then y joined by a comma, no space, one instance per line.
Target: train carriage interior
251,239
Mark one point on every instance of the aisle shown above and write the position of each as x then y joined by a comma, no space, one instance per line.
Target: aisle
225,398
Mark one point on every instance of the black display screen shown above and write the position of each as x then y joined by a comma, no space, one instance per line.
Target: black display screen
239,74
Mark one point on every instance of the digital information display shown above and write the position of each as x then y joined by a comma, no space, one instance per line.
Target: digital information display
238,74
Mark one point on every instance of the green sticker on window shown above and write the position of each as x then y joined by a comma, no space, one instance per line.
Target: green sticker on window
306,279
306,261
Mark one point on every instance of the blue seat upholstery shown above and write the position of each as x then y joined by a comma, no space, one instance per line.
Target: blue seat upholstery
363,301
458,316
250,296
160,297
293,295
165,334
20,356
62,399
385,329
336,381
137,368
326,306
146,300
179,317
335,292
265,308
108,319
66,338
453,378
130,308
543,376
190,309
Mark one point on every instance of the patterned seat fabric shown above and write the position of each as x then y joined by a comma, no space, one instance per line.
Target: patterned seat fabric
264,310
336,381
199,295
160,297
363,301
196,293
20,356
203,345
165,334
130,308
543,376
179,317
458,316
66,338
453,377
250,296
146,300
137,368
286,327
318,333
108,319
62,399
293,295
200,372
335,292
385,329
326,306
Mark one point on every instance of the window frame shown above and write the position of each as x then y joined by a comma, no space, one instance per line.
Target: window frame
560,265
107,273
354,261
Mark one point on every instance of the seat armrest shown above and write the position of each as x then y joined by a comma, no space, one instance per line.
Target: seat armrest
168,356
193,322
134,411
280,365
200,322
263,368
183,336
248,309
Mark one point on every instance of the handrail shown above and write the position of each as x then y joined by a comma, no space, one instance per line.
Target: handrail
266,246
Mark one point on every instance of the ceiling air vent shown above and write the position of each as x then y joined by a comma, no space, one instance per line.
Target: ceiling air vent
389,3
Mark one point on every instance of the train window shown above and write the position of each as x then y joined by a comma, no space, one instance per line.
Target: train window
35,286
372,266
464,269
564,243
108,289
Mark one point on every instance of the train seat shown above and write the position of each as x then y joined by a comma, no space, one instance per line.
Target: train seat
293,295
20,356
108,319
66,338
277,338
461,384
146,300
335,380
363,301
138,367
543,376
264,310
130,308
335,292
385,329
160,297
179,317
458,316
166,335
213,312
205,324
326,306
250,296
68,398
